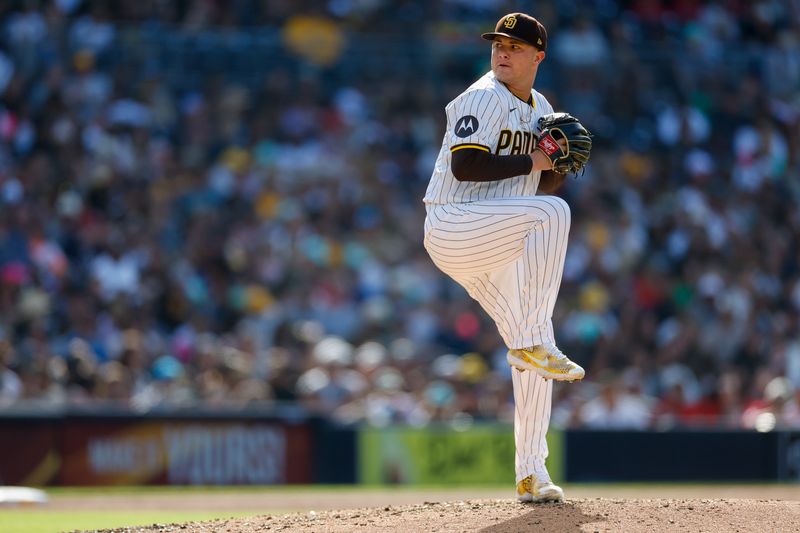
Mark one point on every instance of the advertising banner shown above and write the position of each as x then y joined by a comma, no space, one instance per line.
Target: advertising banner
482,454
28,453
125,452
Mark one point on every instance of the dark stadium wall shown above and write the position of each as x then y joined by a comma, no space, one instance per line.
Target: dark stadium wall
265,449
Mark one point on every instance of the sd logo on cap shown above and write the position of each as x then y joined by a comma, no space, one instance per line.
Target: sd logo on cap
522,27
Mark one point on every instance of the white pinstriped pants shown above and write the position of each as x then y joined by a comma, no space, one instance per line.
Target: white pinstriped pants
508,253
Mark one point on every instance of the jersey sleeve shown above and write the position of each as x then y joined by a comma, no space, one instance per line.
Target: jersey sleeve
474,120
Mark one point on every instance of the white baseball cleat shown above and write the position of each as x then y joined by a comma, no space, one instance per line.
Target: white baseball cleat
547,361
531,489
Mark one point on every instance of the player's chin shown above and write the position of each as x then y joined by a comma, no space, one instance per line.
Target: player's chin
502,72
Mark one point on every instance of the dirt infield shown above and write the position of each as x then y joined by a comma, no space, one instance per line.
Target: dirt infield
496,516
630,509
345,497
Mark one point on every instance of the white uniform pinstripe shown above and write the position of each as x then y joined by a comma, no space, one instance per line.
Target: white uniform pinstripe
502,243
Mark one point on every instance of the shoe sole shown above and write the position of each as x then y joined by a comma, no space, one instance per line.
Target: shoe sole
521,365
544,498
548,499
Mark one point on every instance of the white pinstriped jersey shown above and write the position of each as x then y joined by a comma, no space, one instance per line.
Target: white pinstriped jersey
487,116
502,243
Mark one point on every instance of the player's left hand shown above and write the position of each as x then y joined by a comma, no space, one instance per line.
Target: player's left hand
565,141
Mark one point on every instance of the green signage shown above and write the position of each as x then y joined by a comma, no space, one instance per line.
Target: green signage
482,454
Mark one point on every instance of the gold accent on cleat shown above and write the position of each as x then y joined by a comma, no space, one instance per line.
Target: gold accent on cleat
547,361
532,490
525,487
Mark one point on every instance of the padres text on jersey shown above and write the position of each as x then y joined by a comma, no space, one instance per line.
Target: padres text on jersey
487,117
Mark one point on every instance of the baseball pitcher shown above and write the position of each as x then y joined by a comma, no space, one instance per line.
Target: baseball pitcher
488,230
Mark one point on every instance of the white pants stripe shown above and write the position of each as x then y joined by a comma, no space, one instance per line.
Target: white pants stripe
509,255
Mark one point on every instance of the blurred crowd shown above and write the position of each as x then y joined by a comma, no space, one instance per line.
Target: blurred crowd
248,232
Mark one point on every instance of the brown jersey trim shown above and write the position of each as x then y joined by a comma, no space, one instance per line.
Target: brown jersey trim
467,145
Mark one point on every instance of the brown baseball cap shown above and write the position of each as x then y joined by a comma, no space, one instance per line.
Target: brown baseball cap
522,27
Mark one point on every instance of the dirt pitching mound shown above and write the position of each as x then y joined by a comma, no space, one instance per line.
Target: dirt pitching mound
495,516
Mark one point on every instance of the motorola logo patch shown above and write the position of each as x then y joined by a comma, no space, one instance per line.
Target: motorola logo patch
466,126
